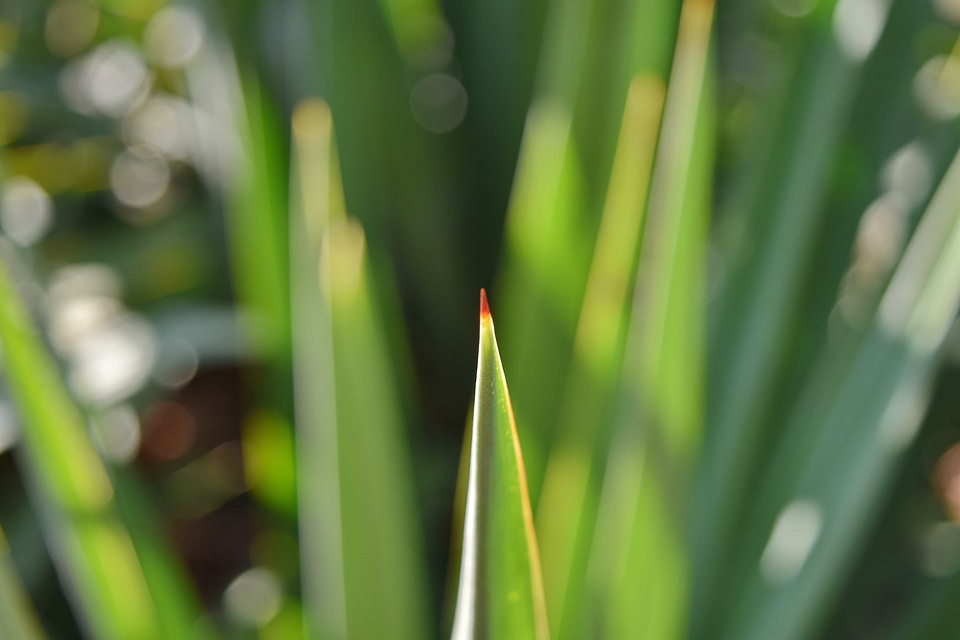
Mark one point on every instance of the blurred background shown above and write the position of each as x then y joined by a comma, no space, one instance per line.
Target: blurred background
758,287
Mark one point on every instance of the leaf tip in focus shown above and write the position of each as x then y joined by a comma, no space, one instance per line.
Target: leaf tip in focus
484,307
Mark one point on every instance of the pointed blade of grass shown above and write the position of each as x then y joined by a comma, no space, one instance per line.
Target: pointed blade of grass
71,488
501,590
358,524
18,619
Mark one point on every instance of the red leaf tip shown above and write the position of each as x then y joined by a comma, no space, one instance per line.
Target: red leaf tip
484,307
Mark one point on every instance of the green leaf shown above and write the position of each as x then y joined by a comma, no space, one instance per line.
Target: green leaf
543,277
590,534
647,490
173,594
253,192
858,431
359,532
417,26
69,483
592,379
18,620
501,590
456,529
768,245
546,246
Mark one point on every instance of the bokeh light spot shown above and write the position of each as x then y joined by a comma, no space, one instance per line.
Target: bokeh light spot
112,80
438,102
173,37
254,597
947,478
936,87
169,430
118,433
139,177
795,532
26,211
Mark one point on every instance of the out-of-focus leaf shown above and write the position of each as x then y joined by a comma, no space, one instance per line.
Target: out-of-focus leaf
598,348
849,437
933,614
319,506
246,164
660,396
418,27
362,560
627,39
257,224
71,489
767,240
173,594
547,249
542,279
647,491
501,590
18,620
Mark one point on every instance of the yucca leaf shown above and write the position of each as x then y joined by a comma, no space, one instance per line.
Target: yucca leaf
392,165
543,277
858,431
767,241
362,560
247,168
18,620
565,508
71,488
456,528
547,250
417,26
257,224
173,594
932,614
501,591
627,39
315,201
661,400
647,491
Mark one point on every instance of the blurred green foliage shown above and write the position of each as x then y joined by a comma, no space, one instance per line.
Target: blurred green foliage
241,245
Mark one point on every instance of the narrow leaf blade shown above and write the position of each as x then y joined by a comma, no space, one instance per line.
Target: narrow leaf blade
358,521
93,551
18,619
501,590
